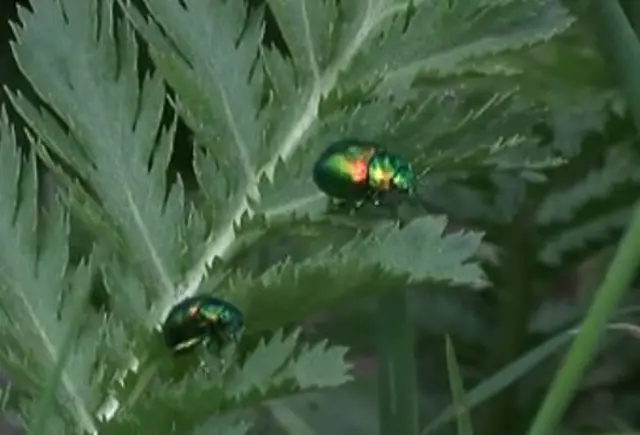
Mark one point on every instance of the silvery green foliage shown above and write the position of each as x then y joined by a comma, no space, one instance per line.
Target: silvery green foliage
580,204
258,119
42,305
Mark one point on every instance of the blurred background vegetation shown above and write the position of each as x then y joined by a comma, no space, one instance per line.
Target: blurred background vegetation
555,237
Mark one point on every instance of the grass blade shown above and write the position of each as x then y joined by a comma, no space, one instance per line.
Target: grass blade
457,391
499,381
619,42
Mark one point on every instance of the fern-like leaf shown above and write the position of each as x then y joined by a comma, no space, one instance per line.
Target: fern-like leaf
221,79
43,301
89,76
259,119
445,137
278,366
369,264
618,169
598,230
475,31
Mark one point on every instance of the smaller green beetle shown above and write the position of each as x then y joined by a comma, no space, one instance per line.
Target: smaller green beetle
202,320
356,171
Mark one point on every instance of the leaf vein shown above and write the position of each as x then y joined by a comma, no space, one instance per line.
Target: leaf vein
219,245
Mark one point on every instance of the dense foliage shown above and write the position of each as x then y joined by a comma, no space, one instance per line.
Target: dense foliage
181,136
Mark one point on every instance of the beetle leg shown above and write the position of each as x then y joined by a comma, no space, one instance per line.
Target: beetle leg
336,205
375,199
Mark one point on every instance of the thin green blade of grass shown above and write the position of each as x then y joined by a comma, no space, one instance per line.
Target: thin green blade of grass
621,46
517,369
457,391
502,379
4,397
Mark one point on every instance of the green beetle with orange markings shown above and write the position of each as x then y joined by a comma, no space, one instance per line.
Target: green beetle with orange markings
201,320
357,172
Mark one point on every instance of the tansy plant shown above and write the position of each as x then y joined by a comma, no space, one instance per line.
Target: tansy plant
436,81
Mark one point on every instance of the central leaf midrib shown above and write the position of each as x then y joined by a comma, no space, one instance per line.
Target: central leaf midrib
219,245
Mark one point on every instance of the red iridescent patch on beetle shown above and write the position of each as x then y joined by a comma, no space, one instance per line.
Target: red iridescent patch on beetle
359,166
358,170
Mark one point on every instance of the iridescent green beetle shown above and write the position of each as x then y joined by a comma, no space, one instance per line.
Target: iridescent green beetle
202,320
357,171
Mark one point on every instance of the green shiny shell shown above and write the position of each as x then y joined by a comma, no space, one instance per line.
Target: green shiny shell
341,170
200,320
390,172
357,170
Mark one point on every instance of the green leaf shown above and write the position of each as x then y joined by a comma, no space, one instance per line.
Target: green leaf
571,122
590,202
444,132
422,251
286,361
207,54
220,79
457,391
88,75
475,32
259,119
280,198
569,71
307,29
43,300
321,366
619,168
278,366
371,263
599,229
441,135
266,360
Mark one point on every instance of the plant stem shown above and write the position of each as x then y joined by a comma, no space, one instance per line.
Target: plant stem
397,385
621,45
